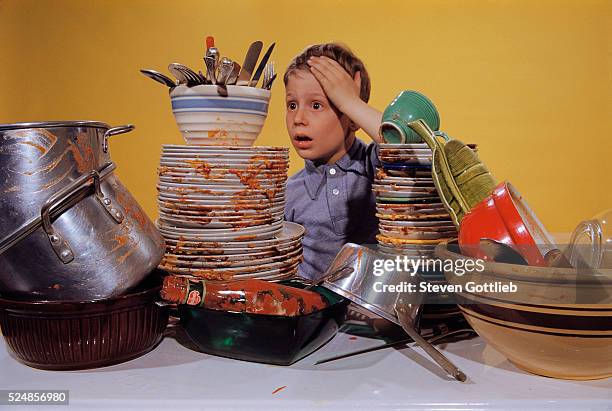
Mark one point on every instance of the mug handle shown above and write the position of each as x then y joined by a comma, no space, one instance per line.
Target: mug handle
592,230
443,135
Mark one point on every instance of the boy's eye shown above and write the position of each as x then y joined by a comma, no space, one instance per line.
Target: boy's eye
291,105
316,106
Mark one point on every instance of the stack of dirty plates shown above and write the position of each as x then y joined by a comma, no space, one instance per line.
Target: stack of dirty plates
221,213
412,218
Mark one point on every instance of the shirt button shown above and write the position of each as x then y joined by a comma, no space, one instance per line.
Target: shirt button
335,191
332,171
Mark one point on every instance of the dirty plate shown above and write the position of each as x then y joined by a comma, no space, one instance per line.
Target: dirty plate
181,262
421,224
204,211
220,234
202,222
235,272
223,249
247,256
404,146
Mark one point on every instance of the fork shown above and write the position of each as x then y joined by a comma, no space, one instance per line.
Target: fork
184,74
269,76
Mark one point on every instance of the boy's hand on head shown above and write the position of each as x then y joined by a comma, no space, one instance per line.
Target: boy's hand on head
340,88
343,91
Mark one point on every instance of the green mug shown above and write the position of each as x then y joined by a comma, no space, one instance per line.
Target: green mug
407,107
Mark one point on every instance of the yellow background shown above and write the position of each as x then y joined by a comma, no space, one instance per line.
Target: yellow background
529,81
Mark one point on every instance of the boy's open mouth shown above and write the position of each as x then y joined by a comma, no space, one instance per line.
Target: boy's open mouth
302,142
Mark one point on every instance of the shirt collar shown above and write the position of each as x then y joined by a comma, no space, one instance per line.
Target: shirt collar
316,175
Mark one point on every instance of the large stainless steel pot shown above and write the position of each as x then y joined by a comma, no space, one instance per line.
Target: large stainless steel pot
69,230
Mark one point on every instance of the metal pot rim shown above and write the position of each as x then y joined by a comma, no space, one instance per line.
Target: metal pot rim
55,124
149,287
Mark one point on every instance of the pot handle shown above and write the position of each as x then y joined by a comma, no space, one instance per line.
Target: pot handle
113,132
403,315
58,243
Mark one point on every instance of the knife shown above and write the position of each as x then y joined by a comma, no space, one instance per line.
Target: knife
260,68
250,61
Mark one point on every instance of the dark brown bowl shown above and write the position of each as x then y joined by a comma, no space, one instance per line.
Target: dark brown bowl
55,335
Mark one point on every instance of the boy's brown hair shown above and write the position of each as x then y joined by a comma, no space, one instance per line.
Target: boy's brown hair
338,52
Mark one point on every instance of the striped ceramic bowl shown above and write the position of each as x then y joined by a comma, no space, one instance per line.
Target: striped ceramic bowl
556,323
206,117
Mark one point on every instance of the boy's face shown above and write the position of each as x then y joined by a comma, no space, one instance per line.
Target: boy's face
317,129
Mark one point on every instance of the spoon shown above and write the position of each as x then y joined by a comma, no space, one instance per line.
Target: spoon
225,70
159,77
212,61
211,77
234,74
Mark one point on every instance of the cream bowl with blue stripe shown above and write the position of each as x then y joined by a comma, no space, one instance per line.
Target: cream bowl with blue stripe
207,118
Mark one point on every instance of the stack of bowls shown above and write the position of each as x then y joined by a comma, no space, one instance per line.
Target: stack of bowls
411,215
221,213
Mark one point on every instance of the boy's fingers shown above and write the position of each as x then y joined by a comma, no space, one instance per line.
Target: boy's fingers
318,73
322,70
320,76
331,67
334,68
357,80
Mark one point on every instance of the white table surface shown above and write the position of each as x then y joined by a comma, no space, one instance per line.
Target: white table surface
173,377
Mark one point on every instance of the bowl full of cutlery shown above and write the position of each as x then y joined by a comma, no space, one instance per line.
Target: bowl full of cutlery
206,118
227,104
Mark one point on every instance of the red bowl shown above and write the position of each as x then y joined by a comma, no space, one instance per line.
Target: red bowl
505,217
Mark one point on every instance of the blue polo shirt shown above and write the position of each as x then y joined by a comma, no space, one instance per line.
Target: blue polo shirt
335,204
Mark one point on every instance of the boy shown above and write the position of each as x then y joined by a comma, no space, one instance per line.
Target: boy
327,90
